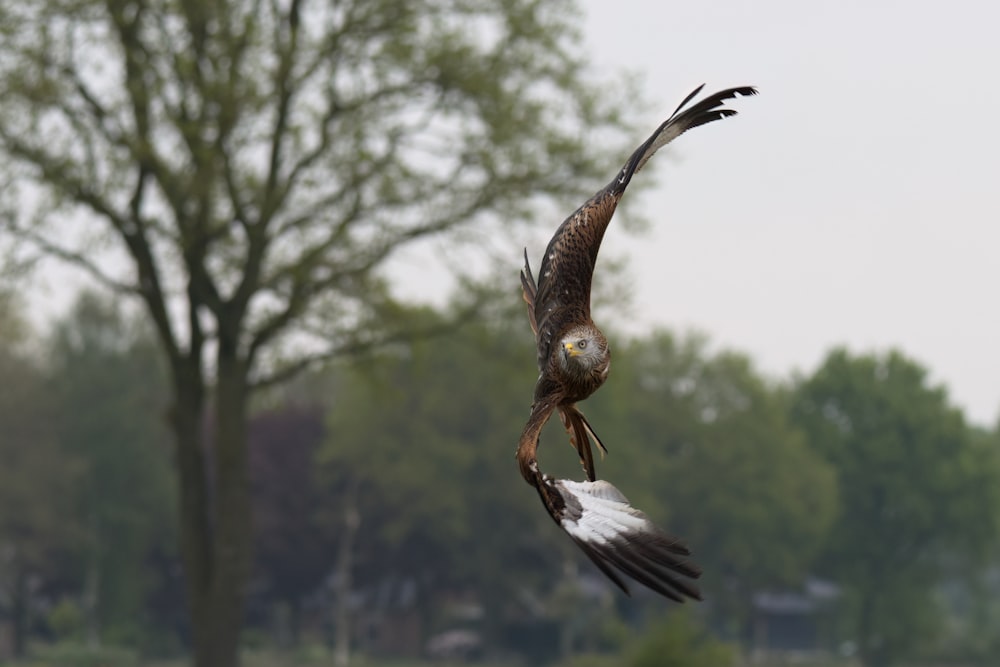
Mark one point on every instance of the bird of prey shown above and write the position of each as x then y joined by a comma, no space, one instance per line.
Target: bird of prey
574,360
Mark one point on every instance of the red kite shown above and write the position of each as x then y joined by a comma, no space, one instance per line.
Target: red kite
574,360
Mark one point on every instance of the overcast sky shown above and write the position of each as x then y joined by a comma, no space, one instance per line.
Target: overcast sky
856,200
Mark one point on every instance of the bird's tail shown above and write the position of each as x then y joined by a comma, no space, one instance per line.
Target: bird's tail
680,122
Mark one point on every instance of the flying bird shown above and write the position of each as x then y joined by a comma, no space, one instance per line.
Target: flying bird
573,362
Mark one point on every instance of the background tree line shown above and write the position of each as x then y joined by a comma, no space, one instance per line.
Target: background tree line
861,474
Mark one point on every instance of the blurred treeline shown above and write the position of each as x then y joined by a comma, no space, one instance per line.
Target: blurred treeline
848,513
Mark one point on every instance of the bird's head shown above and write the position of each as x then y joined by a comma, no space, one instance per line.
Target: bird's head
583,349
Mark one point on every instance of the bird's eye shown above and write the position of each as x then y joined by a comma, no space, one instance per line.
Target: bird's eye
582,344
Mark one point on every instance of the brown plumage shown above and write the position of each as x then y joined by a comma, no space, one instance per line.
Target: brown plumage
573,362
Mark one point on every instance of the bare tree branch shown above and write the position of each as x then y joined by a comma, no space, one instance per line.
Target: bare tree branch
133,233
360,345
78,259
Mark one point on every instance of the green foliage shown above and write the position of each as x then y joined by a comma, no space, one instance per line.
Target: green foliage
108,388
680,641
69,654
13,328
591,660
29,525
66,621
972,599
433,455
37,526
677,639
914,483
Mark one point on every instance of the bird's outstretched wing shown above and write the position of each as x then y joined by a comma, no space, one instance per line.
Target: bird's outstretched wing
618,538
567,268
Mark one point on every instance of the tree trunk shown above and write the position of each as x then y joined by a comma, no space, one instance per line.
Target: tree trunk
344,569
19,612
869,645
215,510
92,585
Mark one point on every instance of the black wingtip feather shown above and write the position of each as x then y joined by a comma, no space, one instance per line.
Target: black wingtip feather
684,119
690,96
647,555
656,561
634,565
596,559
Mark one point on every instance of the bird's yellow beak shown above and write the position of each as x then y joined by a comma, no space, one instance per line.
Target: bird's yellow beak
571,350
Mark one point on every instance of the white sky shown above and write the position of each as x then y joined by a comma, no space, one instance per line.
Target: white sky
856,200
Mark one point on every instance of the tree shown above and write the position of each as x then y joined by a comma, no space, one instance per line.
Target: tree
108,389
36,524
680,642
972,596
913,488
245,168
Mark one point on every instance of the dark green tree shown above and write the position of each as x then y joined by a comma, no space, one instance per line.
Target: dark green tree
915,488
679,641
37,526
972,597
109,391
244,168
